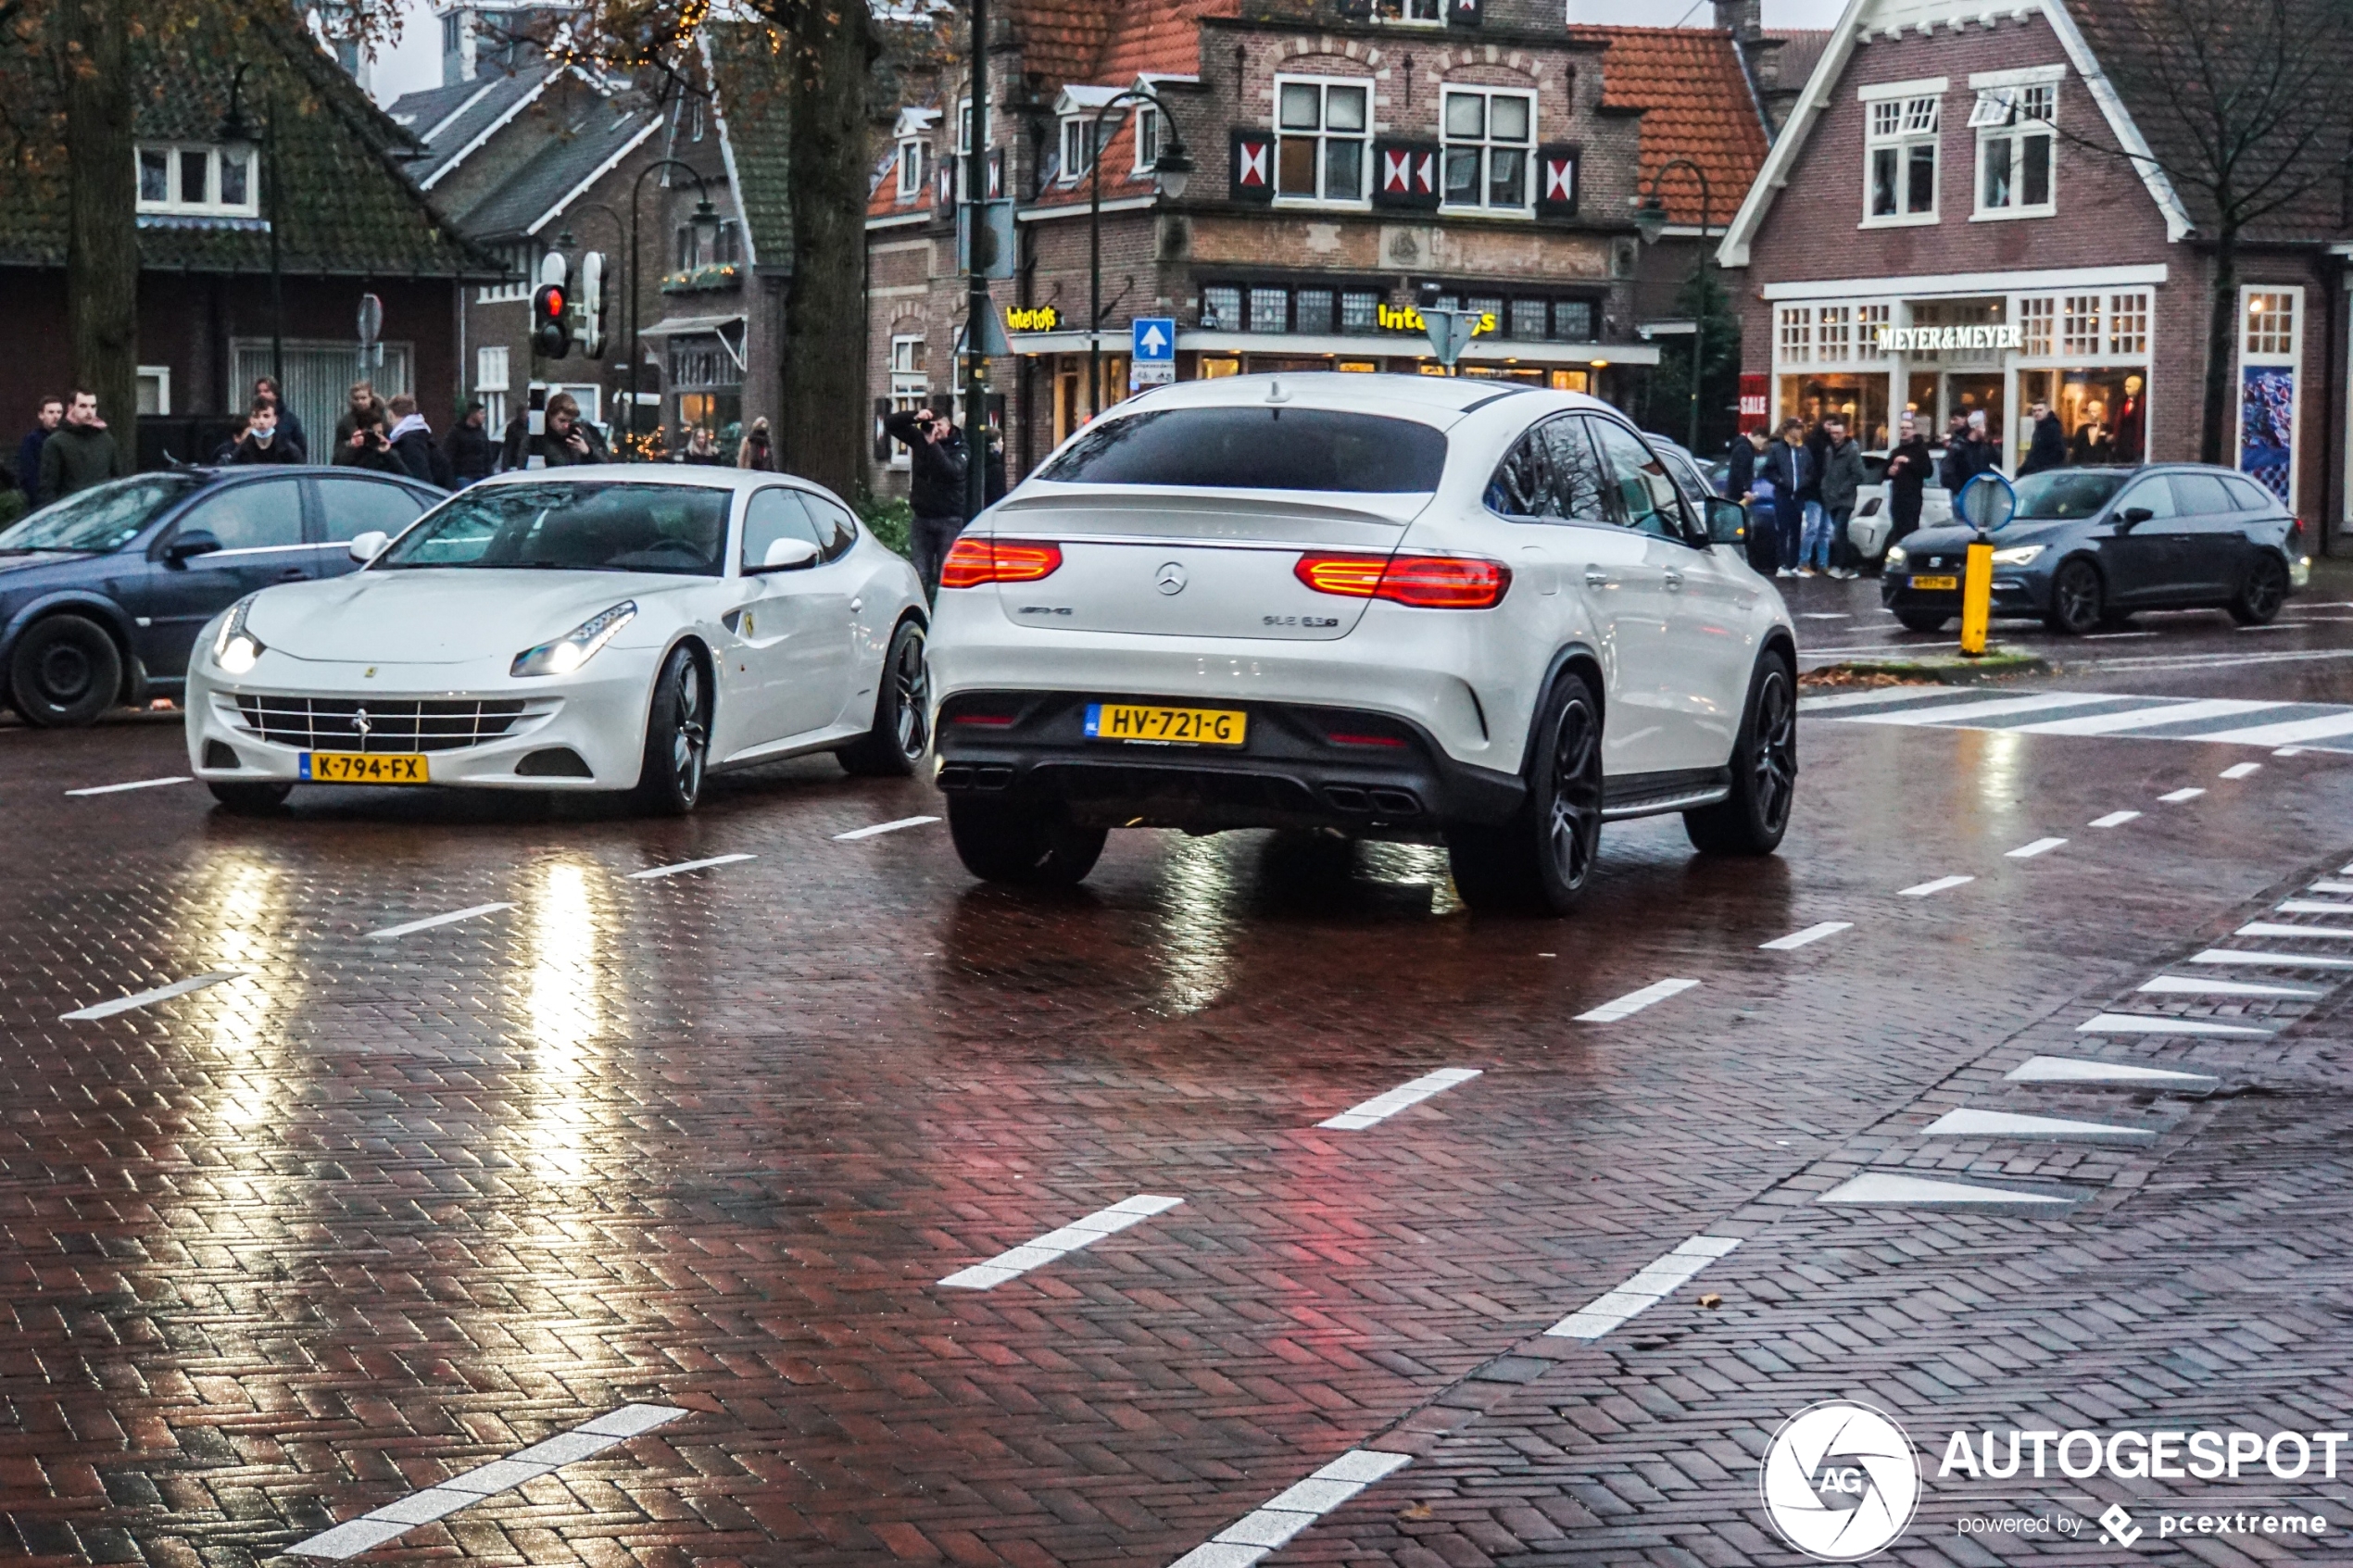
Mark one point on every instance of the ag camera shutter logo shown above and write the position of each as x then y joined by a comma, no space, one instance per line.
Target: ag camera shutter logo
1841,1481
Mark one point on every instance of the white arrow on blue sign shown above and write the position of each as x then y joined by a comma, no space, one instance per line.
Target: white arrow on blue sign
1153,361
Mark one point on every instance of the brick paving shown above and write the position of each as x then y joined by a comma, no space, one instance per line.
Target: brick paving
379,1211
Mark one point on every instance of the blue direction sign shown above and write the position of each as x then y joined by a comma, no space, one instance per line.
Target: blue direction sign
1152,360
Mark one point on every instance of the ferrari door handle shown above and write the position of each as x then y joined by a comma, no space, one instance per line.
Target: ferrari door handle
292,574
1596,578
1674,579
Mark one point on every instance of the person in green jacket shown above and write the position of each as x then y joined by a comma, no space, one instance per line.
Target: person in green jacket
81,452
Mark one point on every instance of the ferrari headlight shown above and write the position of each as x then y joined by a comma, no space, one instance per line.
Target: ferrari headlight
1897,556
576,647
2018,555
235,650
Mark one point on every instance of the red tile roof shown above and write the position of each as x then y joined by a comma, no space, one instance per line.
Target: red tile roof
1159,38
1696,104
1060,40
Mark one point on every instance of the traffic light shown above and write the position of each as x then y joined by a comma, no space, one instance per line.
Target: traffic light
591,303
552,308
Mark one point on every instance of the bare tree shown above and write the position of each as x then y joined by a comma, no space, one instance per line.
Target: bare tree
2246,110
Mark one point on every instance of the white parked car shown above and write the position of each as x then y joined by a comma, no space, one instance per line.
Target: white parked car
611,628
1424,608
1869,529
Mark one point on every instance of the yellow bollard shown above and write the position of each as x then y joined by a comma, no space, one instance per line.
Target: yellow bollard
1977,598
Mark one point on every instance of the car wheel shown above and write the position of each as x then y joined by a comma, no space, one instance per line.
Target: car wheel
1752,819
1542,859
902,732
1028,846
1922,620
65,674
2261,593
250,799
677,739
2077,603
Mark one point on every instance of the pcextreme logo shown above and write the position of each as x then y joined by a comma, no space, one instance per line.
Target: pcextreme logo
1840,1481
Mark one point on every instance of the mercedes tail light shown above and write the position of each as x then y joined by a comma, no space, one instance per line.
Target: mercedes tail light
973,562
1422,582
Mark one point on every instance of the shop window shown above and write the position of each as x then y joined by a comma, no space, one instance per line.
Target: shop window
1796,345
1359,311
1323,132
1901,160
195,182
1488,134
1315,311
2269,349
1834,335
1530,319
1573,320
1871,331
2080,325
1212,366
1483,307
2271,323
2128,323
2036,319
1221,308
1269,310
2014,147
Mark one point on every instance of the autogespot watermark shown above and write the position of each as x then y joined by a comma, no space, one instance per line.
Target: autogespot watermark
1841,1481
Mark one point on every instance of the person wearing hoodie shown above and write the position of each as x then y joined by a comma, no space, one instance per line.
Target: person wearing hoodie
468,450
412,443
81,452
262,442
290,430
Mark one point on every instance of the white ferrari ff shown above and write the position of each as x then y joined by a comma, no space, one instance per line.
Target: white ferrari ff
1439,609
623,628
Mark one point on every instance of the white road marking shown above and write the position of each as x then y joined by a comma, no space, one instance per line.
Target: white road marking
883,827
1649,1286
145,999
2268,961
2181,794
2289,751
1876,696
136,784
2080,1069
2289,732
452,918
684,866
1886,1188
2028,852
2192,986
2157,713
2151,1023
2281,928
2313,907
1967,1121
2003,708
1074,1237
369,1530
1289,1512
1797,939
1825,615
1922,889
2331,887
2115,819
2241,770
1380,1108
1635,1001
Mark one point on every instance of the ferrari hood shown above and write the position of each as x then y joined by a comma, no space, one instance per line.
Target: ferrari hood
441,617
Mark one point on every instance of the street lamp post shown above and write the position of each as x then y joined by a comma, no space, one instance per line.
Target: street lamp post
1172,168
705,219
238,140
1650,221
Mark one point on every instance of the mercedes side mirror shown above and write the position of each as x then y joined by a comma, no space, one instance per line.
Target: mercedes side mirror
2132,517
787,555
1727,522
365,547
188,544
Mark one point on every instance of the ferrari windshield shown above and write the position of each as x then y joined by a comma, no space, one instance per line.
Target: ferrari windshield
552,526
105,517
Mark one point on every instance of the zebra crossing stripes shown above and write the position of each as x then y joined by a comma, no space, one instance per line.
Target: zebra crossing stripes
2311,726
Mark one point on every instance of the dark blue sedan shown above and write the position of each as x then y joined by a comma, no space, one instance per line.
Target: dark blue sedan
102,593
2088,547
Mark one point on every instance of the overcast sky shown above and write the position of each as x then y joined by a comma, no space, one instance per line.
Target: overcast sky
415,61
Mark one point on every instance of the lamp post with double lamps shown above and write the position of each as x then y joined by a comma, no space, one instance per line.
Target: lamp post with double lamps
1650,221
238,142
705,219
1172,168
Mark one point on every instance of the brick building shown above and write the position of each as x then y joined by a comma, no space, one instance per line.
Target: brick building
1963,214
1345,153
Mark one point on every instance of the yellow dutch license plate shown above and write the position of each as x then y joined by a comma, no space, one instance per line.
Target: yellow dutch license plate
1169,726
356,768
1934,583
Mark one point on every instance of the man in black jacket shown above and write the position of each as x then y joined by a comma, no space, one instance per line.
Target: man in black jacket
2047,449
412,443
468,450
937,487
566,440
1908,467
81,452
262,442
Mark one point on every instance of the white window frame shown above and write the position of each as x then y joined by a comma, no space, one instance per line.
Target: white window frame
522,257
174,203
1793,335
2291,357
161,376
494,371
909,388
2013,113
1904,104
1487,144
1075,158
910,167
1147,135
1412,13
1320,136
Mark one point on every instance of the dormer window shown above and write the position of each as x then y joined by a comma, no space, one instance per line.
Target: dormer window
1147,139
1077,147
913,154
197,180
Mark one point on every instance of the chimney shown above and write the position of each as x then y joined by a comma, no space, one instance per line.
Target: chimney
1743,19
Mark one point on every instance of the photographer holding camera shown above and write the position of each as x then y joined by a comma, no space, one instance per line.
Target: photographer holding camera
936,493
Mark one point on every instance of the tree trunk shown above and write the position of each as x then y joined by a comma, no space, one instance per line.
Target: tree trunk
2220,414
102,230
823,434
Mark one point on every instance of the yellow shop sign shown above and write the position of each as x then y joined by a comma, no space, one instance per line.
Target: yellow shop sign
1405,318
1032,319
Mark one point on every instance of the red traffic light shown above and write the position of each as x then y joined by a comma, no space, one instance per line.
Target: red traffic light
550,321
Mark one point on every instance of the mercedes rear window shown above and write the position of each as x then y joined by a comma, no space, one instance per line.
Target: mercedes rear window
1256,448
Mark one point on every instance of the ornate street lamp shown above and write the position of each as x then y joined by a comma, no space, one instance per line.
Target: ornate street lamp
1172,171
1650,221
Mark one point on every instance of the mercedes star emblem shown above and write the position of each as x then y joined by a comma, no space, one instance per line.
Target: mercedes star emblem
1172,578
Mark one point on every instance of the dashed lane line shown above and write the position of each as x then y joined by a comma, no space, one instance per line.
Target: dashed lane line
2181,794
2268,961
2115,1074
1635,1001
882,828
373,1529
1078,1235
2040,846
1812,933
1380,1108
136,784
2152,1023
1656,1280
2195,985
452,918
1289,1512
684,866
1922,889
2116,818
2241,769
148,998
2280,928
1968,1122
